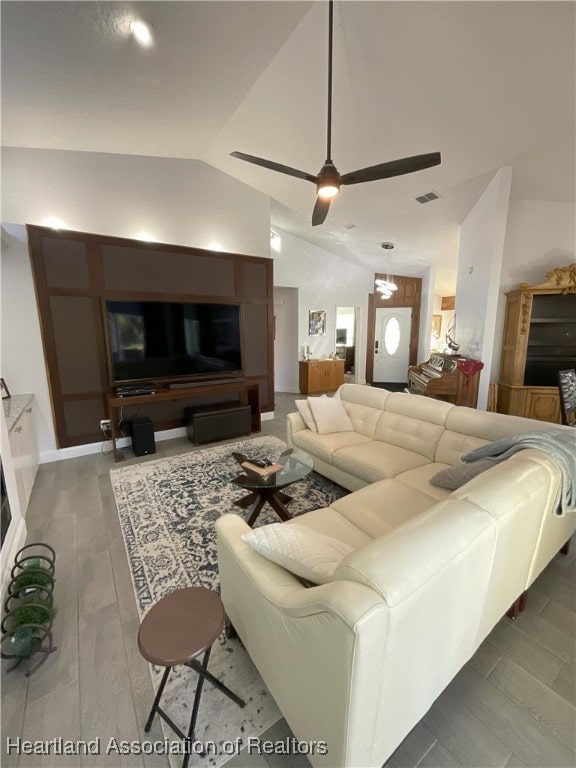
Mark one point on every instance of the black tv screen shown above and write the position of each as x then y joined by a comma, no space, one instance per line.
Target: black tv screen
159,340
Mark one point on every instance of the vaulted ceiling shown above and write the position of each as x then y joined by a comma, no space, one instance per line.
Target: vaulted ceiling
488,84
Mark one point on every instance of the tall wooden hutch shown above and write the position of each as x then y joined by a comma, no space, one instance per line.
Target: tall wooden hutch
539,340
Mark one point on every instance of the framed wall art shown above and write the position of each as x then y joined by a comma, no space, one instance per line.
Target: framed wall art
316,322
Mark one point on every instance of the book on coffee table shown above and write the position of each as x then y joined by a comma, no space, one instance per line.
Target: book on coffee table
261,471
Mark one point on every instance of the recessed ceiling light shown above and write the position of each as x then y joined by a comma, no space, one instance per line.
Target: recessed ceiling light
142,31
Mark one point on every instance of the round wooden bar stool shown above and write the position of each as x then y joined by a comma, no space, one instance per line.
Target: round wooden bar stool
180,627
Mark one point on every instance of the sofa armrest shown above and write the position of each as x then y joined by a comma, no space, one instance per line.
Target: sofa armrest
350,601
316,648
294,423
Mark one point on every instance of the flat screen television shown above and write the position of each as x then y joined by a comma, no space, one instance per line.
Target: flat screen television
163,341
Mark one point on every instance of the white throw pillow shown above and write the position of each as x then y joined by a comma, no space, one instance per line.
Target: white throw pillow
301,550
306,413
330,415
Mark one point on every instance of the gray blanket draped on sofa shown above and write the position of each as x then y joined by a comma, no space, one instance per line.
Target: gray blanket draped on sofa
559,444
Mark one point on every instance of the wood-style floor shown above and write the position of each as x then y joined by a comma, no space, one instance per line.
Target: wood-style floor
512,705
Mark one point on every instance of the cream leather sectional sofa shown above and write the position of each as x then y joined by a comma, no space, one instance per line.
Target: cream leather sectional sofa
356,662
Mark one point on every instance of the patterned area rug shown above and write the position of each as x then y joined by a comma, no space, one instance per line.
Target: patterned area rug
167,510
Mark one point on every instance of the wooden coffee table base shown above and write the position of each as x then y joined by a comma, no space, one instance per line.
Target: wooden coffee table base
277,500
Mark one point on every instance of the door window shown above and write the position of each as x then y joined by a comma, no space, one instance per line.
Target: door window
392,335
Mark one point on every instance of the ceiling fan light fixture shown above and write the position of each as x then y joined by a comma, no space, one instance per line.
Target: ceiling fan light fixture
328,190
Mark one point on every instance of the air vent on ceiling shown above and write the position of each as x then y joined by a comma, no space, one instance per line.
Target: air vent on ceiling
428,197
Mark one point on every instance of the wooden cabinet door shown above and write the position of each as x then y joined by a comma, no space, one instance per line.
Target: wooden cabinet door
515,341
316,376
335,374
543,405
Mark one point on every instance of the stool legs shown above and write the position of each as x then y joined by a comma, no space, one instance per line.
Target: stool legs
196,706
157,700
203,674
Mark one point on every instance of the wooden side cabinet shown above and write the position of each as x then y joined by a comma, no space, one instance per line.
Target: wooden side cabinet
539,340
540,403
320,376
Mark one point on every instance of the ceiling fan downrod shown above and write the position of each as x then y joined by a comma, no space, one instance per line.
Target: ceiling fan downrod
329,179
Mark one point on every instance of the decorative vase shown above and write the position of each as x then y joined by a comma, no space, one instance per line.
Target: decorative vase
21,642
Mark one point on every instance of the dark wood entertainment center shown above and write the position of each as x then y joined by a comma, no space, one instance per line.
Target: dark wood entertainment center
247,389
75,273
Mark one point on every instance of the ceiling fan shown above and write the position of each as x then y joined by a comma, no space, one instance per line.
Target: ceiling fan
329,180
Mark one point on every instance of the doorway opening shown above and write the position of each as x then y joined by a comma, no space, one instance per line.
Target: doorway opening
347,326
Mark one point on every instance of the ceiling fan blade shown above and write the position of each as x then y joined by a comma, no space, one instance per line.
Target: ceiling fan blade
320,211
272,166
393,168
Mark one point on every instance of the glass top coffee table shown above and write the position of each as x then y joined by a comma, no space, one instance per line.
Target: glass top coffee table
294,465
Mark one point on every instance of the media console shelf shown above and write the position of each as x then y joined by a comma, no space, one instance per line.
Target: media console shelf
248,388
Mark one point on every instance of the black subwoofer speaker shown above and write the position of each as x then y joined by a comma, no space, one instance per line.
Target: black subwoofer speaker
142,433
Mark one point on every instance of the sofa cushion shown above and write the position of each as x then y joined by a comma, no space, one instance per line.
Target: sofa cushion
490,426
380,507
419,478
419,407
324,446
409,432
458,475
302,551
453,445
375,460
330,415
363,405
327,520
364,418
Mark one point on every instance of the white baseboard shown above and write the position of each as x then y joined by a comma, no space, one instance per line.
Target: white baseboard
58,454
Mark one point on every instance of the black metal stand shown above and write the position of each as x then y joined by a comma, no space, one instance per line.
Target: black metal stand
203,674
29,608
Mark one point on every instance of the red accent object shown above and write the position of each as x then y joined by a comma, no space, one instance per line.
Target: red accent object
469,367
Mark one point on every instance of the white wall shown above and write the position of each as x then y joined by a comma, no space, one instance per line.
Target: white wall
22,355
324,282
540,235
286,339
479,266
183,202
426,312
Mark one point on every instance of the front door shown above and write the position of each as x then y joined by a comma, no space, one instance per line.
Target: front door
392,345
